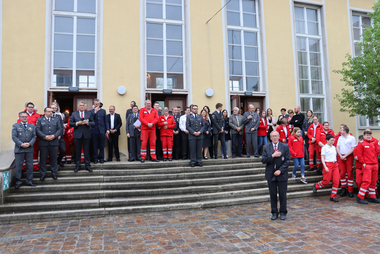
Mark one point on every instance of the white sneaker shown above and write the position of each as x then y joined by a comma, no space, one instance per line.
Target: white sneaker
294,177
303,179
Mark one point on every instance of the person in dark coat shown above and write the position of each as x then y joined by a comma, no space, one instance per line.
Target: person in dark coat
114,124
227,135
207,136
98,131
134,134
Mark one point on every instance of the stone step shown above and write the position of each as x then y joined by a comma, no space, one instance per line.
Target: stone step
98,212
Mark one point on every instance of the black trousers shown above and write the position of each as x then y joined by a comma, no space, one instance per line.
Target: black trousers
98,144
85,143
52,152
177,146
159,153
62,149
195,150
185,143
135,148
19,161
129,147
282,188
221,137
113,145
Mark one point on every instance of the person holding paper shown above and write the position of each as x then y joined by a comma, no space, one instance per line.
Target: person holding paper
133,133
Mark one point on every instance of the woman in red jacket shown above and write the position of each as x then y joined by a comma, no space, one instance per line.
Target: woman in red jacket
284,131
167,123
262,130
296,149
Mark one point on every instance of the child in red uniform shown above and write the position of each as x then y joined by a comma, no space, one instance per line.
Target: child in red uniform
296,148
166,123
284,131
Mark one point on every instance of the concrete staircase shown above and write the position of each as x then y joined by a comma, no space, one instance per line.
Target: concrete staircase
123,188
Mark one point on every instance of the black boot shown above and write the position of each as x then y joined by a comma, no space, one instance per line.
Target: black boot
361,201
373,200
334,200
343,192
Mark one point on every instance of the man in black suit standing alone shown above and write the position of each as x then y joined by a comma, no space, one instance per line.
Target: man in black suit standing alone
277,157
98,131
114,123
82,121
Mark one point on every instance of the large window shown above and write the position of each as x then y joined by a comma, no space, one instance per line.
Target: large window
243,46
310,60
165,61
74,43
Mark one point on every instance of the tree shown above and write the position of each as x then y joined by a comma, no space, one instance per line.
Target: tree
361,74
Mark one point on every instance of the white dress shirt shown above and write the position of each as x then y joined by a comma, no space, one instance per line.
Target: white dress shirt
346,144
112,119
182,123
329,152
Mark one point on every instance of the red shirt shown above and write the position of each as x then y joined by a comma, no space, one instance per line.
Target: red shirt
170,126
32,119
283,135
296,147
310,131
146,117
263,128
367,152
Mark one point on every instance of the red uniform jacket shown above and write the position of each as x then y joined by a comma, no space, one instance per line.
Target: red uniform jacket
296,147
321,137
171,124
263,128
146,117
283,136
68,135
31,119
367,152
358,165
310,132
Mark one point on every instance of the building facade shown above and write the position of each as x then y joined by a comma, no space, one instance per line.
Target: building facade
277,53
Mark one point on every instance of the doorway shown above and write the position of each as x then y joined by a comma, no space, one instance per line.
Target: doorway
169,100
68,101
242,102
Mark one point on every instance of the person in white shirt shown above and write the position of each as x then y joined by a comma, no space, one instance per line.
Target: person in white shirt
345,148
330,168
184,133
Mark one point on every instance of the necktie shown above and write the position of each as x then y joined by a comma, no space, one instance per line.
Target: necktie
81,115
275,147
25,125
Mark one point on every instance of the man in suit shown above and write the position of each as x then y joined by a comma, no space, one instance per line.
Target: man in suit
195,125
49,128
217,123
251,120
177,135
184,133
129,112
277,157
82,121
158,134
236,125
114,123
98,131
62,146
134,133
24,136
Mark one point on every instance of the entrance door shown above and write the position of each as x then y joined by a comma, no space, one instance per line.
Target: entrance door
242,102
68,101
169,100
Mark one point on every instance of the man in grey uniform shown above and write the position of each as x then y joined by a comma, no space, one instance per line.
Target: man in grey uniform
195,125
251,120
24,136
49,128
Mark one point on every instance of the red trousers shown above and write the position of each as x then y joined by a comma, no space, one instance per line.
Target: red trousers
334,173
314,147
36,166
167,146
151,136
346,167
369,181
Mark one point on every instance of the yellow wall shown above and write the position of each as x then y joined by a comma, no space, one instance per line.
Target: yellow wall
23,61
362,4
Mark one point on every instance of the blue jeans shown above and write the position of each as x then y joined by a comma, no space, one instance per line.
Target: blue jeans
239,138
297,162
224,153
262,141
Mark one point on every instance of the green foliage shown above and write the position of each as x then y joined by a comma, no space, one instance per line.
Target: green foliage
361,74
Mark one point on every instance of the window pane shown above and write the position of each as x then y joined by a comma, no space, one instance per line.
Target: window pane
363,121
86,26
305,104
357,50
154,10
174,64
63,42
315,59
155,47
234,52
236,83
312,28
311,15
87,6
300,27
91,81
357,34
174,12
355,21
314,45
179,2
235,67
233,5
249,20
303,72
252,68
155,80
174,32
251,54
304,86
252,84
86,43
175,81
63,24
366,21
82,81
250,38
154,30
318,105
233,18
86,61
63,78
154,1
174,48
299,13
155,63
301,44
249,6
316,73
302,58
317,87
63,60
64,5
234,37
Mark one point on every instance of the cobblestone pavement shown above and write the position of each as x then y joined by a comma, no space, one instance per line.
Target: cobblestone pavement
313,225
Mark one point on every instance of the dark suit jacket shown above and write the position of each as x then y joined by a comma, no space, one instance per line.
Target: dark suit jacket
100,122
278,163
116,125
21,135
133,132
45,127
195,123
81,130
129,112
217,122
